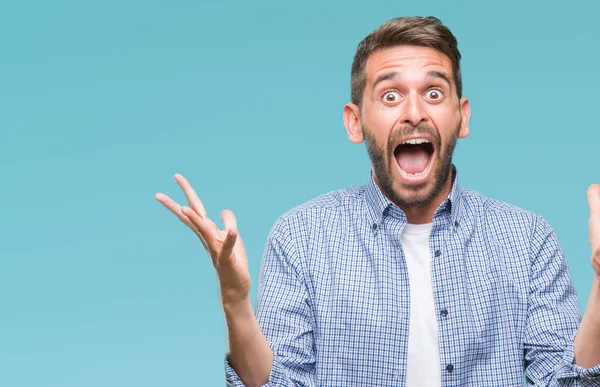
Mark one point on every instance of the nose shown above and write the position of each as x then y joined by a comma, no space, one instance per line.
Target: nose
413,112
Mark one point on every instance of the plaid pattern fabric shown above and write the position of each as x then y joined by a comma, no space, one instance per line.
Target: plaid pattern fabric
333,295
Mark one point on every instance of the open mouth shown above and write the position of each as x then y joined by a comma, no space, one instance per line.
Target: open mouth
414,157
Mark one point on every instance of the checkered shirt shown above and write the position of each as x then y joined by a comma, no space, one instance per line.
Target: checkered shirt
333,295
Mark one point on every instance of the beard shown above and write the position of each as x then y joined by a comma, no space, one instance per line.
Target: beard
383,159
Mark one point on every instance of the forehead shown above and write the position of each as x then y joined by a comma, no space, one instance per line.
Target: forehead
406,59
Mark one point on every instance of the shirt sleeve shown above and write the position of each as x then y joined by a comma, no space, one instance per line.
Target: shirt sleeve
284,314
553,317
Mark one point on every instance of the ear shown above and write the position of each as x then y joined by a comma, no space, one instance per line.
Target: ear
352,123
465,112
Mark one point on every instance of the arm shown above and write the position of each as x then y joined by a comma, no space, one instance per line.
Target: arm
284,314
587,341
553,317
249,352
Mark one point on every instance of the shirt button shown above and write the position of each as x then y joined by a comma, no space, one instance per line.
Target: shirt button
438,253
450,368
444,312
456,223
374,226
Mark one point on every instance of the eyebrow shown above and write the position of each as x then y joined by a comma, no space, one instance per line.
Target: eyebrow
439,75
430,74
384,77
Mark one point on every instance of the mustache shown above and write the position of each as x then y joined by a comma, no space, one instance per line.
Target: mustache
409,130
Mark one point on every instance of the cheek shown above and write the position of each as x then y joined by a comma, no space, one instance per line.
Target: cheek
378,112
379,124
446,121
387,115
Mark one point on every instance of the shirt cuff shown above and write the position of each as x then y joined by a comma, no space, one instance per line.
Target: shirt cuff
277,377
572,370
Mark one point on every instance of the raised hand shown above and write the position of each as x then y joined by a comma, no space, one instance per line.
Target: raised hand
225,247
593,195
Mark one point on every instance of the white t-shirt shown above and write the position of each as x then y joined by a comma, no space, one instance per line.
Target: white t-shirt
423,361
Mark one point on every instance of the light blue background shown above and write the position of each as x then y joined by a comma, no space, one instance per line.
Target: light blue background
101,103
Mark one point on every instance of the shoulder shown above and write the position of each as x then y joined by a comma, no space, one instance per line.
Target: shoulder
324,206
305,225
474,200
503,221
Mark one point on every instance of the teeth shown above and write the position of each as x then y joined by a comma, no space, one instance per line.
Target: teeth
416,141
414,174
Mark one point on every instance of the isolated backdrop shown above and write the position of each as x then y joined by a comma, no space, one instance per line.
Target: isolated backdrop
101,103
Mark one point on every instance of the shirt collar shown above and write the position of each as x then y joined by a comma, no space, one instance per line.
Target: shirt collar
378,204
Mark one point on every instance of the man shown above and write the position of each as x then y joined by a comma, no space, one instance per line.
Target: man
409,279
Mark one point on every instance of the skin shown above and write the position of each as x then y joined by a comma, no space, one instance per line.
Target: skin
409,107
249,352
412,103
587,339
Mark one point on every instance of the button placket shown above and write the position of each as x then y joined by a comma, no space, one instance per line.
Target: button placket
375,228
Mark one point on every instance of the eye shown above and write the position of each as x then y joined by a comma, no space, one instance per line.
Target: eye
391,96
435,94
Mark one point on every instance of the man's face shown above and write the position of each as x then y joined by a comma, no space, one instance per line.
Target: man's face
410,120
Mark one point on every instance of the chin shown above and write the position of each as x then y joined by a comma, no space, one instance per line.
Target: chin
414,195
416,191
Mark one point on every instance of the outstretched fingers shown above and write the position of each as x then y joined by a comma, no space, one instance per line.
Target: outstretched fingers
193,200
176,209
220,244
206,230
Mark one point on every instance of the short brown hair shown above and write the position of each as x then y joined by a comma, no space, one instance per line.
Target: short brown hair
405,31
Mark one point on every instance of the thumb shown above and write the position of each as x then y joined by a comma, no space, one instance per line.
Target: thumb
593,195
229,220
231,233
